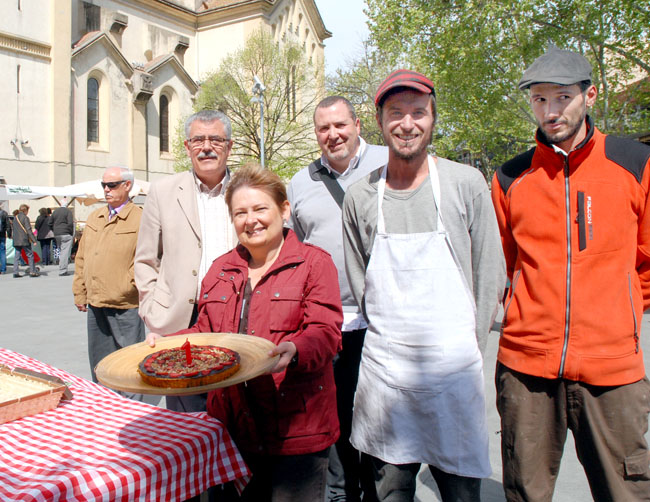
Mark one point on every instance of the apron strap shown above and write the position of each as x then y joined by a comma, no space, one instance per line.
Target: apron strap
435,188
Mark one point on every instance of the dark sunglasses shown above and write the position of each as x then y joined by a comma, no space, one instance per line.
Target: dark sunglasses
112,184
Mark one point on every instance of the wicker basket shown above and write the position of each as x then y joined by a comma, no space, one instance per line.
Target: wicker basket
31,404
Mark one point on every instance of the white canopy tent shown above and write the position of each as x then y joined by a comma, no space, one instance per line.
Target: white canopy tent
88,192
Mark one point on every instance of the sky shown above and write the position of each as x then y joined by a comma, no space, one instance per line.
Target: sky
347,23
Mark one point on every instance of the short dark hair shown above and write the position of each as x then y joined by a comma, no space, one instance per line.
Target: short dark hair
332,100
584,85
253,175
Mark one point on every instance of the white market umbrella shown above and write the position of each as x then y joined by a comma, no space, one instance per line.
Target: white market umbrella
14,192
87,192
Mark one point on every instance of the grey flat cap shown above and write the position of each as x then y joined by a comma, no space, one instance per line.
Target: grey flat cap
557,66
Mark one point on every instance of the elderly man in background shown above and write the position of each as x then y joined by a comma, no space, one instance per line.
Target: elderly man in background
185,226
23,239
63,229
103,284
316,196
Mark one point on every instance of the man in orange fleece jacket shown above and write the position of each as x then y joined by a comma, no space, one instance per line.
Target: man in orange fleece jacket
575,229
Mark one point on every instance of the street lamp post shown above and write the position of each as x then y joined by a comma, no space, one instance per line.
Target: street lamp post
258,90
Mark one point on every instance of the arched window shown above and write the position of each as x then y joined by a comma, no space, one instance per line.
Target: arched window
92,108
164,123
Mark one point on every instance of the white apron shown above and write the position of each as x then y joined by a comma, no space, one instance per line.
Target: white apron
420,394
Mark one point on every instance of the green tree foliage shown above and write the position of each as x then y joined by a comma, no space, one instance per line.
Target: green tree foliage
358,82
292,91
181,160
477,50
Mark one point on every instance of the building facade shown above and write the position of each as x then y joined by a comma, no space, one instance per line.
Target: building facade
88,84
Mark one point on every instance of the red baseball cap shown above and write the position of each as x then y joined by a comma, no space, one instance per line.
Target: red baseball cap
404,78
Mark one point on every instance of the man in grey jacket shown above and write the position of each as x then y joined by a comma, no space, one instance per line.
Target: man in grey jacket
316,195
424,261
63,228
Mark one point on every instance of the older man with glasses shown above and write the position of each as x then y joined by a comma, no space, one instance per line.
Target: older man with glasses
103,284
185,226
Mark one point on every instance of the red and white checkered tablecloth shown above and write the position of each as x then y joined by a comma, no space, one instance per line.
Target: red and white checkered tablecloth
102,447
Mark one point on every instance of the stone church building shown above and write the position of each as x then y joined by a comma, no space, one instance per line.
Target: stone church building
88,84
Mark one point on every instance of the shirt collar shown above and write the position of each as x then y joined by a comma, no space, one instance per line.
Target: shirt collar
354,161
219,189
116,210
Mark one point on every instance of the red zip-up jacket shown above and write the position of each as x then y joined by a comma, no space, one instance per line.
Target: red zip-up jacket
576,236
297,300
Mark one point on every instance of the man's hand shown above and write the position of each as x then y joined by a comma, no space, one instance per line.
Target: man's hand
81,308
286,350
151,338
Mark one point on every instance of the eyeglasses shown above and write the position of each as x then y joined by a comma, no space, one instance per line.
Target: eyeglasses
112,184
215,141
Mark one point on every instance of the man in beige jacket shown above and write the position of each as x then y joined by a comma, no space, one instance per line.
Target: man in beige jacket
103,284
185,226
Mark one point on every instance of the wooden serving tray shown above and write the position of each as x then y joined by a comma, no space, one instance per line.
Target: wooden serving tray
119,370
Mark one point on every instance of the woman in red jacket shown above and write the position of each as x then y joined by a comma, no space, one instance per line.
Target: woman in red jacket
275,287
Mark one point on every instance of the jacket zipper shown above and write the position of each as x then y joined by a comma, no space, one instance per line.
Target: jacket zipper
567,315
515,279
636,332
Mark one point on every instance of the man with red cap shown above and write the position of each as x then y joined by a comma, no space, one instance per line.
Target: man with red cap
425,265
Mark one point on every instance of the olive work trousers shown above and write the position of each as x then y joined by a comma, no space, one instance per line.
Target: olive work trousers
608,426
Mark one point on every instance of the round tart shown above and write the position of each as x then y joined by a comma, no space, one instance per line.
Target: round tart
169,368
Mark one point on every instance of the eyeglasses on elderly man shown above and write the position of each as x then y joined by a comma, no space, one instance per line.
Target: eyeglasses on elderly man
215,141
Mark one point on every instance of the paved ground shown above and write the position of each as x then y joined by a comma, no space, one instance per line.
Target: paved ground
39,319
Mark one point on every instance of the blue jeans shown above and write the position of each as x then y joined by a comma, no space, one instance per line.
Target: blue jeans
45,250
3,255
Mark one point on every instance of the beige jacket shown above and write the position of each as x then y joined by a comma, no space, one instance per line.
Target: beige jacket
168,254
103,274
